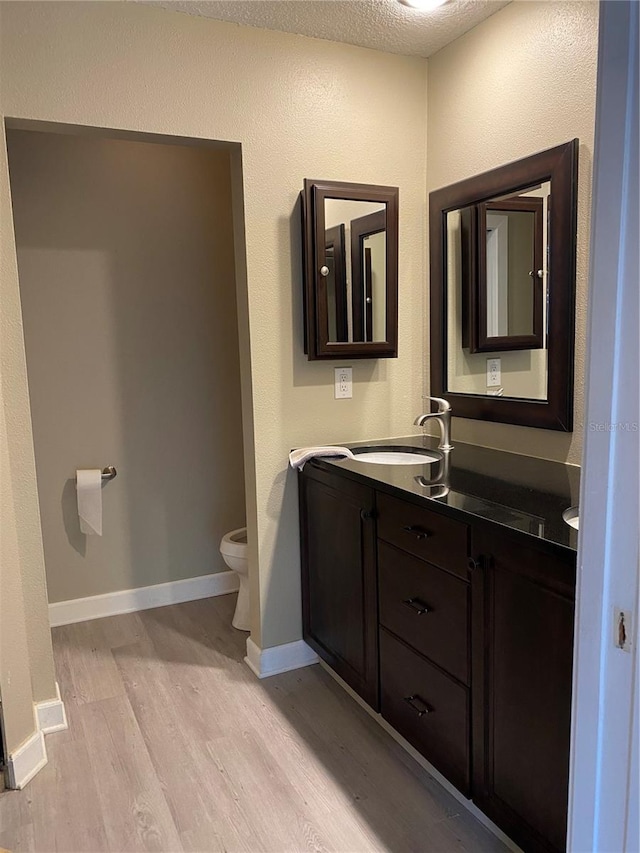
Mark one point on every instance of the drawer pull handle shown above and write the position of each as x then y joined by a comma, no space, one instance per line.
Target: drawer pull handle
418,606
419,705
418,532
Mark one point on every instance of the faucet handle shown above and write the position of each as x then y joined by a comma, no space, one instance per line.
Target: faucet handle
443,405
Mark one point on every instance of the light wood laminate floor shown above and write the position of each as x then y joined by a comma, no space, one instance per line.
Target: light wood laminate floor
174,745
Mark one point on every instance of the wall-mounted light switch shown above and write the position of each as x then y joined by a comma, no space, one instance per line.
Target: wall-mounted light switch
343,383
493,372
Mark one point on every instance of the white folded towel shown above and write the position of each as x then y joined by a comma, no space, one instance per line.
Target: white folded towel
297,458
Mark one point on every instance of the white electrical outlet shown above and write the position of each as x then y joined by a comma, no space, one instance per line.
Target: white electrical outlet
493,372
343,383
622,628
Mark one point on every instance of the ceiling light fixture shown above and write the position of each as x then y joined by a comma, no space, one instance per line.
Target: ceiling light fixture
423,5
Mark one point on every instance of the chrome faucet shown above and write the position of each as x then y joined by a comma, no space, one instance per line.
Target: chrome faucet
443,416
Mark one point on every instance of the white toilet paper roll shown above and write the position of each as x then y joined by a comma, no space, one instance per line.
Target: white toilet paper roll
89,488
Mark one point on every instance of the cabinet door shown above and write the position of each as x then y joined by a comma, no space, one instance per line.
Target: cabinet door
339,597
523,610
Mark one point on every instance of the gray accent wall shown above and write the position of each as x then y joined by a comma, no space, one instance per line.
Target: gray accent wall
126,268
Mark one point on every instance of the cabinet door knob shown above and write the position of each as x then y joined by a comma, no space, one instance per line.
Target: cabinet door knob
419,705
366,514
417,531
474,563
418,606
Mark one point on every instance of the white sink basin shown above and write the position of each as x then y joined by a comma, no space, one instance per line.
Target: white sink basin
402,456
572,516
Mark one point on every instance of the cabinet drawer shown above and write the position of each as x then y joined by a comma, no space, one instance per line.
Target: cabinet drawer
407,588
425,534
426,707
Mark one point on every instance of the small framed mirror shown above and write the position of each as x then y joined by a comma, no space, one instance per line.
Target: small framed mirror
350,239
502,251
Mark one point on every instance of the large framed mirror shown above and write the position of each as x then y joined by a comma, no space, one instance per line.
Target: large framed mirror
350,237
502,251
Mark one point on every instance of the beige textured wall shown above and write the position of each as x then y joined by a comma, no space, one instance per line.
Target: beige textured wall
300,108
15,680
522,81
26,657
126,265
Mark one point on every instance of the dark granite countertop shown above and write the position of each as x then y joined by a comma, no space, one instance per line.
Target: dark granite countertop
525,494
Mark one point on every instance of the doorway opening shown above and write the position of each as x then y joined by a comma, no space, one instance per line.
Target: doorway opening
128,260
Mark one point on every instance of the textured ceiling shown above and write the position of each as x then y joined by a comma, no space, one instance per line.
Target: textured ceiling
379,24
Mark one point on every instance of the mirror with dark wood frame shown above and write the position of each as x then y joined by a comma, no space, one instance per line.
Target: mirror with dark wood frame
502,252
350,241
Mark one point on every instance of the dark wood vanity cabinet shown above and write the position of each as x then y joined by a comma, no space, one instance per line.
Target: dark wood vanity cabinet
339,587
523,604
460,634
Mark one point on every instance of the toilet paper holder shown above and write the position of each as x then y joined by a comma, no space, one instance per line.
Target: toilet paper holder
108,473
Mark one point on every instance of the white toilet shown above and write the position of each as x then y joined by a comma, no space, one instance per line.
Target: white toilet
233,548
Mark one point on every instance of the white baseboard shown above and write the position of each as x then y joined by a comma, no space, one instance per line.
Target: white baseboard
23,764
27,760
469,805
51,715
144,598
277,659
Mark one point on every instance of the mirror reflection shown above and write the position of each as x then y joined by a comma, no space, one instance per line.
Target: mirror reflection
354,281
497,294
513,258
